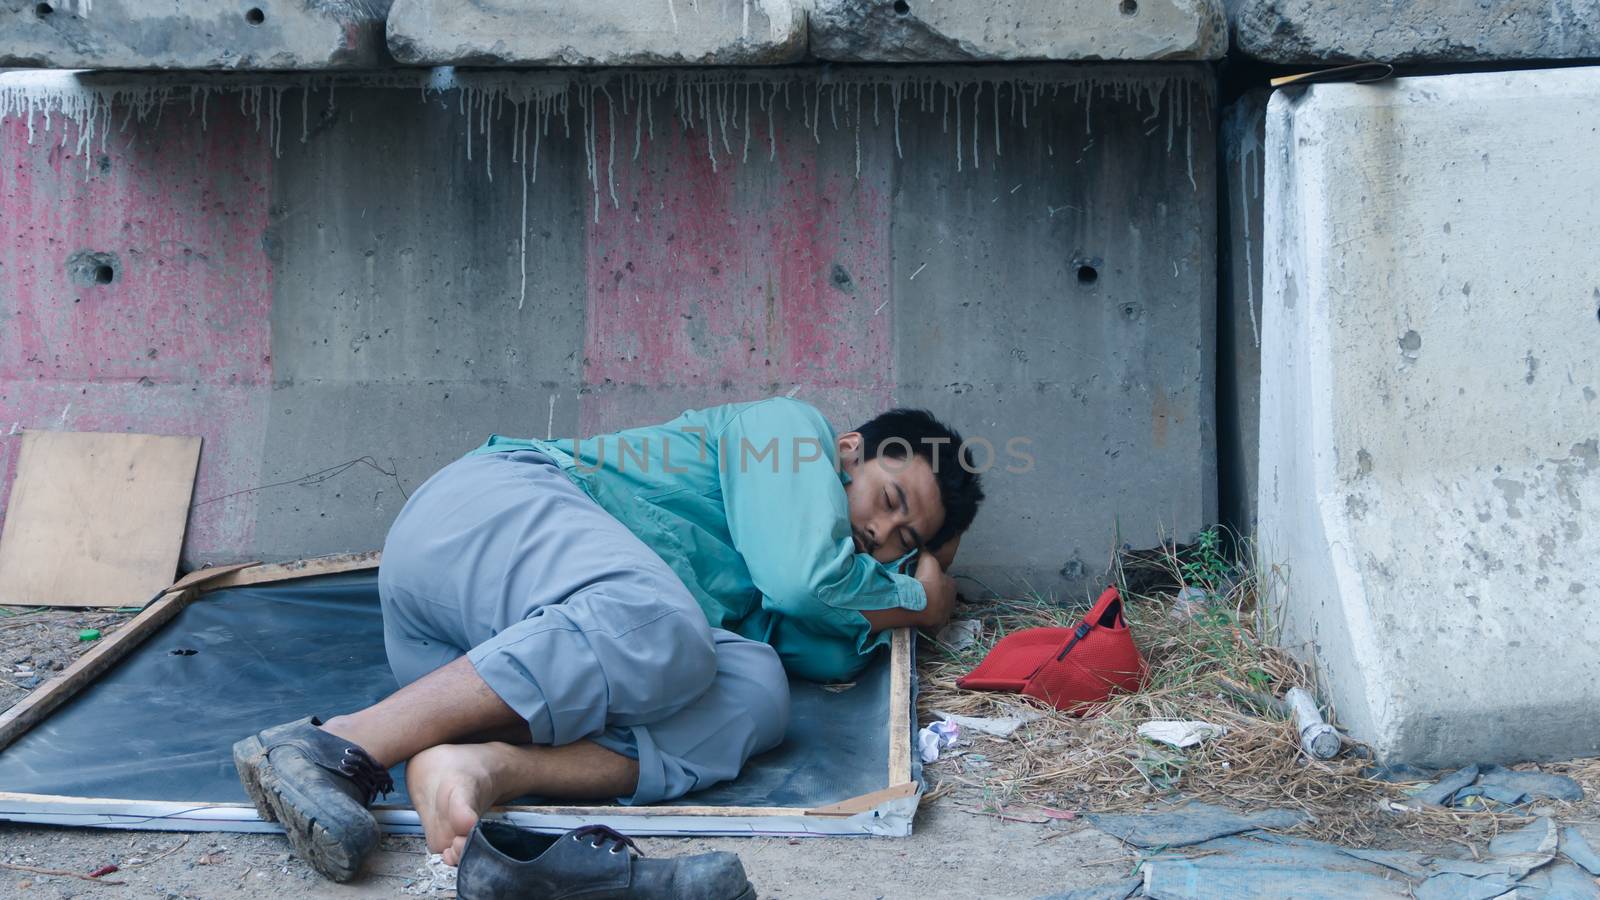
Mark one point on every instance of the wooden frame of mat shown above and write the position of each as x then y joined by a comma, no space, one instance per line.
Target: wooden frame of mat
856,815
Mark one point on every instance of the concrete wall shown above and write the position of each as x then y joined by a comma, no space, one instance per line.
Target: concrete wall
1310,32
1430,369
1010,30
342,286
344,34
193,34
606,33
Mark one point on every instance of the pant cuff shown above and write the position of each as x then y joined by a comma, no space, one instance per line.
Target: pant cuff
516,687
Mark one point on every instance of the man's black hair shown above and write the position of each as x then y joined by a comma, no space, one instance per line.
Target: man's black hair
960,488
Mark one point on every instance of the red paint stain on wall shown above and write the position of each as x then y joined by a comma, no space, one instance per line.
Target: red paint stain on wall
743,280
135,292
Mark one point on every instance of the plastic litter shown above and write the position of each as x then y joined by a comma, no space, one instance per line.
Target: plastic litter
1442,792
436,876
1001,727
1180,733
1577,849
960,634
1510,786
89,634
1317,738
936,737
1271,866
1465,786
1191,824
1189,602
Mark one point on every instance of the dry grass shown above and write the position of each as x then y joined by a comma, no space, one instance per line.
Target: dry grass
1204,667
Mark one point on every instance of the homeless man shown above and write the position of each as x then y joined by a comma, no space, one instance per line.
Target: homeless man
612,617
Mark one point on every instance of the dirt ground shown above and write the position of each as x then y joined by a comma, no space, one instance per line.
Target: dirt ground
954,853
962,847
35,645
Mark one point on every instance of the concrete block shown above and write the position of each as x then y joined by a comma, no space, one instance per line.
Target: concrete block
1012,30
1239,311
1308,31
355,283
1429,398
607,33
192,34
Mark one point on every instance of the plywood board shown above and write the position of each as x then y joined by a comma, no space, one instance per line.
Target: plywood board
95,519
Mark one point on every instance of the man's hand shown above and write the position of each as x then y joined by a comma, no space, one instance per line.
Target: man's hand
940,588
947,553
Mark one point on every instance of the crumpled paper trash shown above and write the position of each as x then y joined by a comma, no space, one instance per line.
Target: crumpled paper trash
1180,733
435,877
960,634
936,737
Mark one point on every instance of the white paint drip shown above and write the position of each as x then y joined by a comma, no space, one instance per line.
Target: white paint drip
716,100
550,419
1244,150
522,293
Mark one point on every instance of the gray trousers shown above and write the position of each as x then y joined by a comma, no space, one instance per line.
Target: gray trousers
575,623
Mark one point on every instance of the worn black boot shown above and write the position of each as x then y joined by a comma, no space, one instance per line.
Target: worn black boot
503,862
319,786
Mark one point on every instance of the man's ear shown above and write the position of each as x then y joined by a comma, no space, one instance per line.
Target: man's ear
849,450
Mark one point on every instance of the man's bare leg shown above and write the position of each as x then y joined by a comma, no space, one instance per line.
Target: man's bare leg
446,705
452,785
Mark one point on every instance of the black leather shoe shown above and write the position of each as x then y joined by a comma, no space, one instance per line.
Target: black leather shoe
319,786
503,862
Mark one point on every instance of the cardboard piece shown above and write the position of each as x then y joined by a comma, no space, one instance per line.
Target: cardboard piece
95,519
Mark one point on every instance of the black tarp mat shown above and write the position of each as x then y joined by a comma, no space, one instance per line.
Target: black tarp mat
160,724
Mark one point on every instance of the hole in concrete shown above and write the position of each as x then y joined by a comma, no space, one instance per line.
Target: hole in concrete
1129,7
1088,275
92,268
43,9
183,651
841,279
901,7
254,15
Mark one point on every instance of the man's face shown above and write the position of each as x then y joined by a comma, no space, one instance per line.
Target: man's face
894,503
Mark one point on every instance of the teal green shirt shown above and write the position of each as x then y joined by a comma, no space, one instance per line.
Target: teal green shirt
746,503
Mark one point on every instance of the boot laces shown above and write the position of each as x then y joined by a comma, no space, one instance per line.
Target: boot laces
370,777
605,836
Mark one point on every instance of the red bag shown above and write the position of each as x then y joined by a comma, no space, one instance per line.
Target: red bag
1067,668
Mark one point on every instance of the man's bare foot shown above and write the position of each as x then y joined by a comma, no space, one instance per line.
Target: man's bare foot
451,786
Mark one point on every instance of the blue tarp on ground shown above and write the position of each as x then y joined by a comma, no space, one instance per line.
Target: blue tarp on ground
160,725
